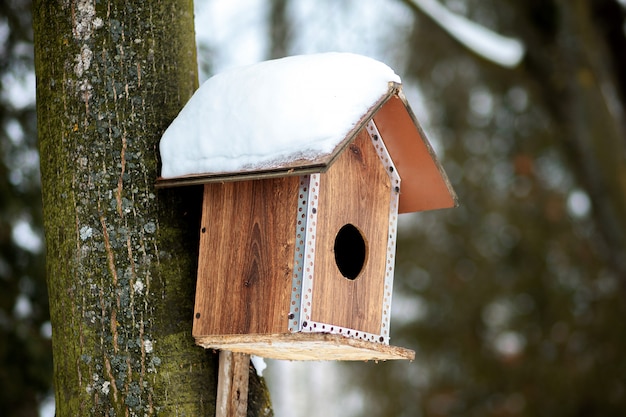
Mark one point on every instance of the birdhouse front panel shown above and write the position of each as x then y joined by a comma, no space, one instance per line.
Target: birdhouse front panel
351,241
311,253
246,257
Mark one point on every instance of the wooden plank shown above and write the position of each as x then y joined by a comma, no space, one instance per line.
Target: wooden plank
288,170
306,346
246,256
232,384
355,190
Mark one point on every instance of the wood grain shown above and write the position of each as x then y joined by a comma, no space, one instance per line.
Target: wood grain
355,190
232,384
246,257
306,347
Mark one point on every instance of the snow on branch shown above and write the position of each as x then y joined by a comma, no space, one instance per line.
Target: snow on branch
501,50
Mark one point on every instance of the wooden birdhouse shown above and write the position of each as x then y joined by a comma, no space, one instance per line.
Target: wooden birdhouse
306,163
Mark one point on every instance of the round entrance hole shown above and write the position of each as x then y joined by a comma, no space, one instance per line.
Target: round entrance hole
350,251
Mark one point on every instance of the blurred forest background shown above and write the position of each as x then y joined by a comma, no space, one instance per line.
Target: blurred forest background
514,302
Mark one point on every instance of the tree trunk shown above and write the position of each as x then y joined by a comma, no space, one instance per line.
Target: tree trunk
279,34
575,64
580,67
121,257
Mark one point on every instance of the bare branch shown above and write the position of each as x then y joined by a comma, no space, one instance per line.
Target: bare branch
504,51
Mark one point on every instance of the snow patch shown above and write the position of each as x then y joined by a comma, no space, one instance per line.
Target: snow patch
259,364
271,113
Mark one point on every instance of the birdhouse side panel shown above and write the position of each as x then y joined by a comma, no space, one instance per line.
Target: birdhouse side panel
351,247
246,257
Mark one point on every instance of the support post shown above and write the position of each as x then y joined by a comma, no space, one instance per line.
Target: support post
232,384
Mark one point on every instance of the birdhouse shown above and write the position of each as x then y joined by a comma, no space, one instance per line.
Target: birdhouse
306,163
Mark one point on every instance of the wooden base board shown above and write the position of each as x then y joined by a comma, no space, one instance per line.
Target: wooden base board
306,347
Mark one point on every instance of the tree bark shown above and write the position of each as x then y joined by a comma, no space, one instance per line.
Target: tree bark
279,29
121,257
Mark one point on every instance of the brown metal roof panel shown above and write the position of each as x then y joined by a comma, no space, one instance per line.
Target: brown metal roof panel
425,185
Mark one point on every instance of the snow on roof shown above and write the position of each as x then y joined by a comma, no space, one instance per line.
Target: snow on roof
268,114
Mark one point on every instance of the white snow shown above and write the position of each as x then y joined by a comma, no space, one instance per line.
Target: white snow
271,113
259,364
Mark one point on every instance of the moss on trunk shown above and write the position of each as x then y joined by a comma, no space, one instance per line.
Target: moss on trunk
121,256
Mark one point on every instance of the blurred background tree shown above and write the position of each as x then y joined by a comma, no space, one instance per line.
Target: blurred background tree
520,290
25,355
513,301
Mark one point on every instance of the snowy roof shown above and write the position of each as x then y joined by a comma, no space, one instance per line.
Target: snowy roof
294,116
274,115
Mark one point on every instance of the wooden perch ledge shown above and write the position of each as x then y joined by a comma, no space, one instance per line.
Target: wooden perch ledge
306,347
